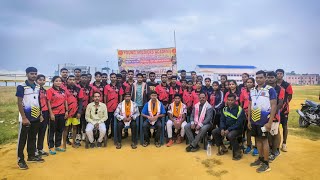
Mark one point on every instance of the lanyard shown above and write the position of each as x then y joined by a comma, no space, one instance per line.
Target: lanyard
255,103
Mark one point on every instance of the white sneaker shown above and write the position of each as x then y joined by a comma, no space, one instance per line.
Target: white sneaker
78,137
83,136
284,148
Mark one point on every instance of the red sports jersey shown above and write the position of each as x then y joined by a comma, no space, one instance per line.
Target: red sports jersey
280,96
244,99
178,83
187,98
212,100
288,91
175,90
43,99
163,93
74,94
58,99
99,89
87,93
195,96
112,93
237,95
127,87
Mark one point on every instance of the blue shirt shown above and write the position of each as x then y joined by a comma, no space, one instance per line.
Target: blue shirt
146,106
139,98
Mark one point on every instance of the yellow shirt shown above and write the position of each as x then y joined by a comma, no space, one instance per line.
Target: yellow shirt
96,114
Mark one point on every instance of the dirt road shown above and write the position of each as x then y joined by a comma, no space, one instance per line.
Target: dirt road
301,162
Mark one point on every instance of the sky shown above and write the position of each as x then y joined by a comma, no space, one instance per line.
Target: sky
268,34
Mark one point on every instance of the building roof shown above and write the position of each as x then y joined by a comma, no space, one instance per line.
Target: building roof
226,66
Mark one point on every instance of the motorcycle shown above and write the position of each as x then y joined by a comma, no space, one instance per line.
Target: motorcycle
309,114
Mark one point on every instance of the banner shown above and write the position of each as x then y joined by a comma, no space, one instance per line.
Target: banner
148,60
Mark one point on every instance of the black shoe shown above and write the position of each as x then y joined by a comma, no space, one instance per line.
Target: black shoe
92,145
194,149
35,159
256,163
237,157
99,144
109,136
188,149
43,153
126,134
22,165
263,168
118,146
68,142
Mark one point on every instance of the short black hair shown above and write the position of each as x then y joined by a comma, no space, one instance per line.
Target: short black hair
77,69
131,71
163,75
71,76
123,71
199,82
232,95
118,75
177,95
272,73
31,69
55,77
97,73
174,77
152,92
183,80
139,74
261,72
280,70
89,74
192,72
41,76
169,71
152,73
104,74
83,75
207,79
127,94
189,82
113,74
183,71
203,93
63,69
96,92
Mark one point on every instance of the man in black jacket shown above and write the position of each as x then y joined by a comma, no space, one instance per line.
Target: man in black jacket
231,125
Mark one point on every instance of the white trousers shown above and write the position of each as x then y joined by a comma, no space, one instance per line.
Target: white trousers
89,132
170,124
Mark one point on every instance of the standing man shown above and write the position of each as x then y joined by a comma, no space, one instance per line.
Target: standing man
177,118
113,95
89,78
153,111
97,86
104,79
96,115
139,92
275,137
231,125
200,123
119,79
77,74
163,90
169,75
127,85
285,110
74,99
144,75
174,88
261,112
127,113
29,117
183,75
194,77
152,83
123,76
208,89
64,73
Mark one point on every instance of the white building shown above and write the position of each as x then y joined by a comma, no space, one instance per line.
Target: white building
232,71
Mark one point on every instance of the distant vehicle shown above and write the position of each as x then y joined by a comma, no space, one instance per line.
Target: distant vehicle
309,114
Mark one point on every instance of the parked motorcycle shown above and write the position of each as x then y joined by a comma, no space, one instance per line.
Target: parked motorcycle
309,114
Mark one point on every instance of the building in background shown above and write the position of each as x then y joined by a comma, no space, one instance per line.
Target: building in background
232,71
303,79
72,67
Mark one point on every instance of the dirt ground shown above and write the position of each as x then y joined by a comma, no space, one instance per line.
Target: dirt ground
300,162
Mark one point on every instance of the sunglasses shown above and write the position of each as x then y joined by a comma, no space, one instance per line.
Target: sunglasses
96,110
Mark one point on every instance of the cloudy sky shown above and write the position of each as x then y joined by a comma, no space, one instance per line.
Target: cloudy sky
264,33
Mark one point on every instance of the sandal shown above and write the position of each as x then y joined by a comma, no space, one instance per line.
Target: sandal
133,146
52,152
60,149
145,144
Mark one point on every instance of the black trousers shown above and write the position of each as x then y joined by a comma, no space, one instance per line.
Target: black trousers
232,136
110,121
56,129
27,134
42,130
133,126
146,130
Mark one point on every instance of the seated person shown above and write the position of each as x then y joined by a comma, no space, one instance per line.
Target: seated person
200,122
231,125
127,113
177,118
96,115
152,111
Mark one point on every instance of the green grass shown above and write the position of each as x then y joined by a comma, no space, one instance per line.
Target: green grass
9,113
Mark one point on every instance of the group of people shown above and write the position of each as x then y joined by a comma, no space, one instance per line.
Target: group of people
192,111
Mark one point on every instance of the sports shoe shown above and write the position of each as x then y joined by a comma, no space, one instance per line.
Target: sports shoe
99,144
43,153
83,136
263,168
255,152
170,143
22,165
272,156
194,149
256,163
248,150
92,145
284,148
188,149
35,159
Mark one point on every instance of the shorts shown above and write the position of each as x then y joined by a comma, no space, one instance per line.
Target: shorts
257,132
73,121
284,119
274,128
